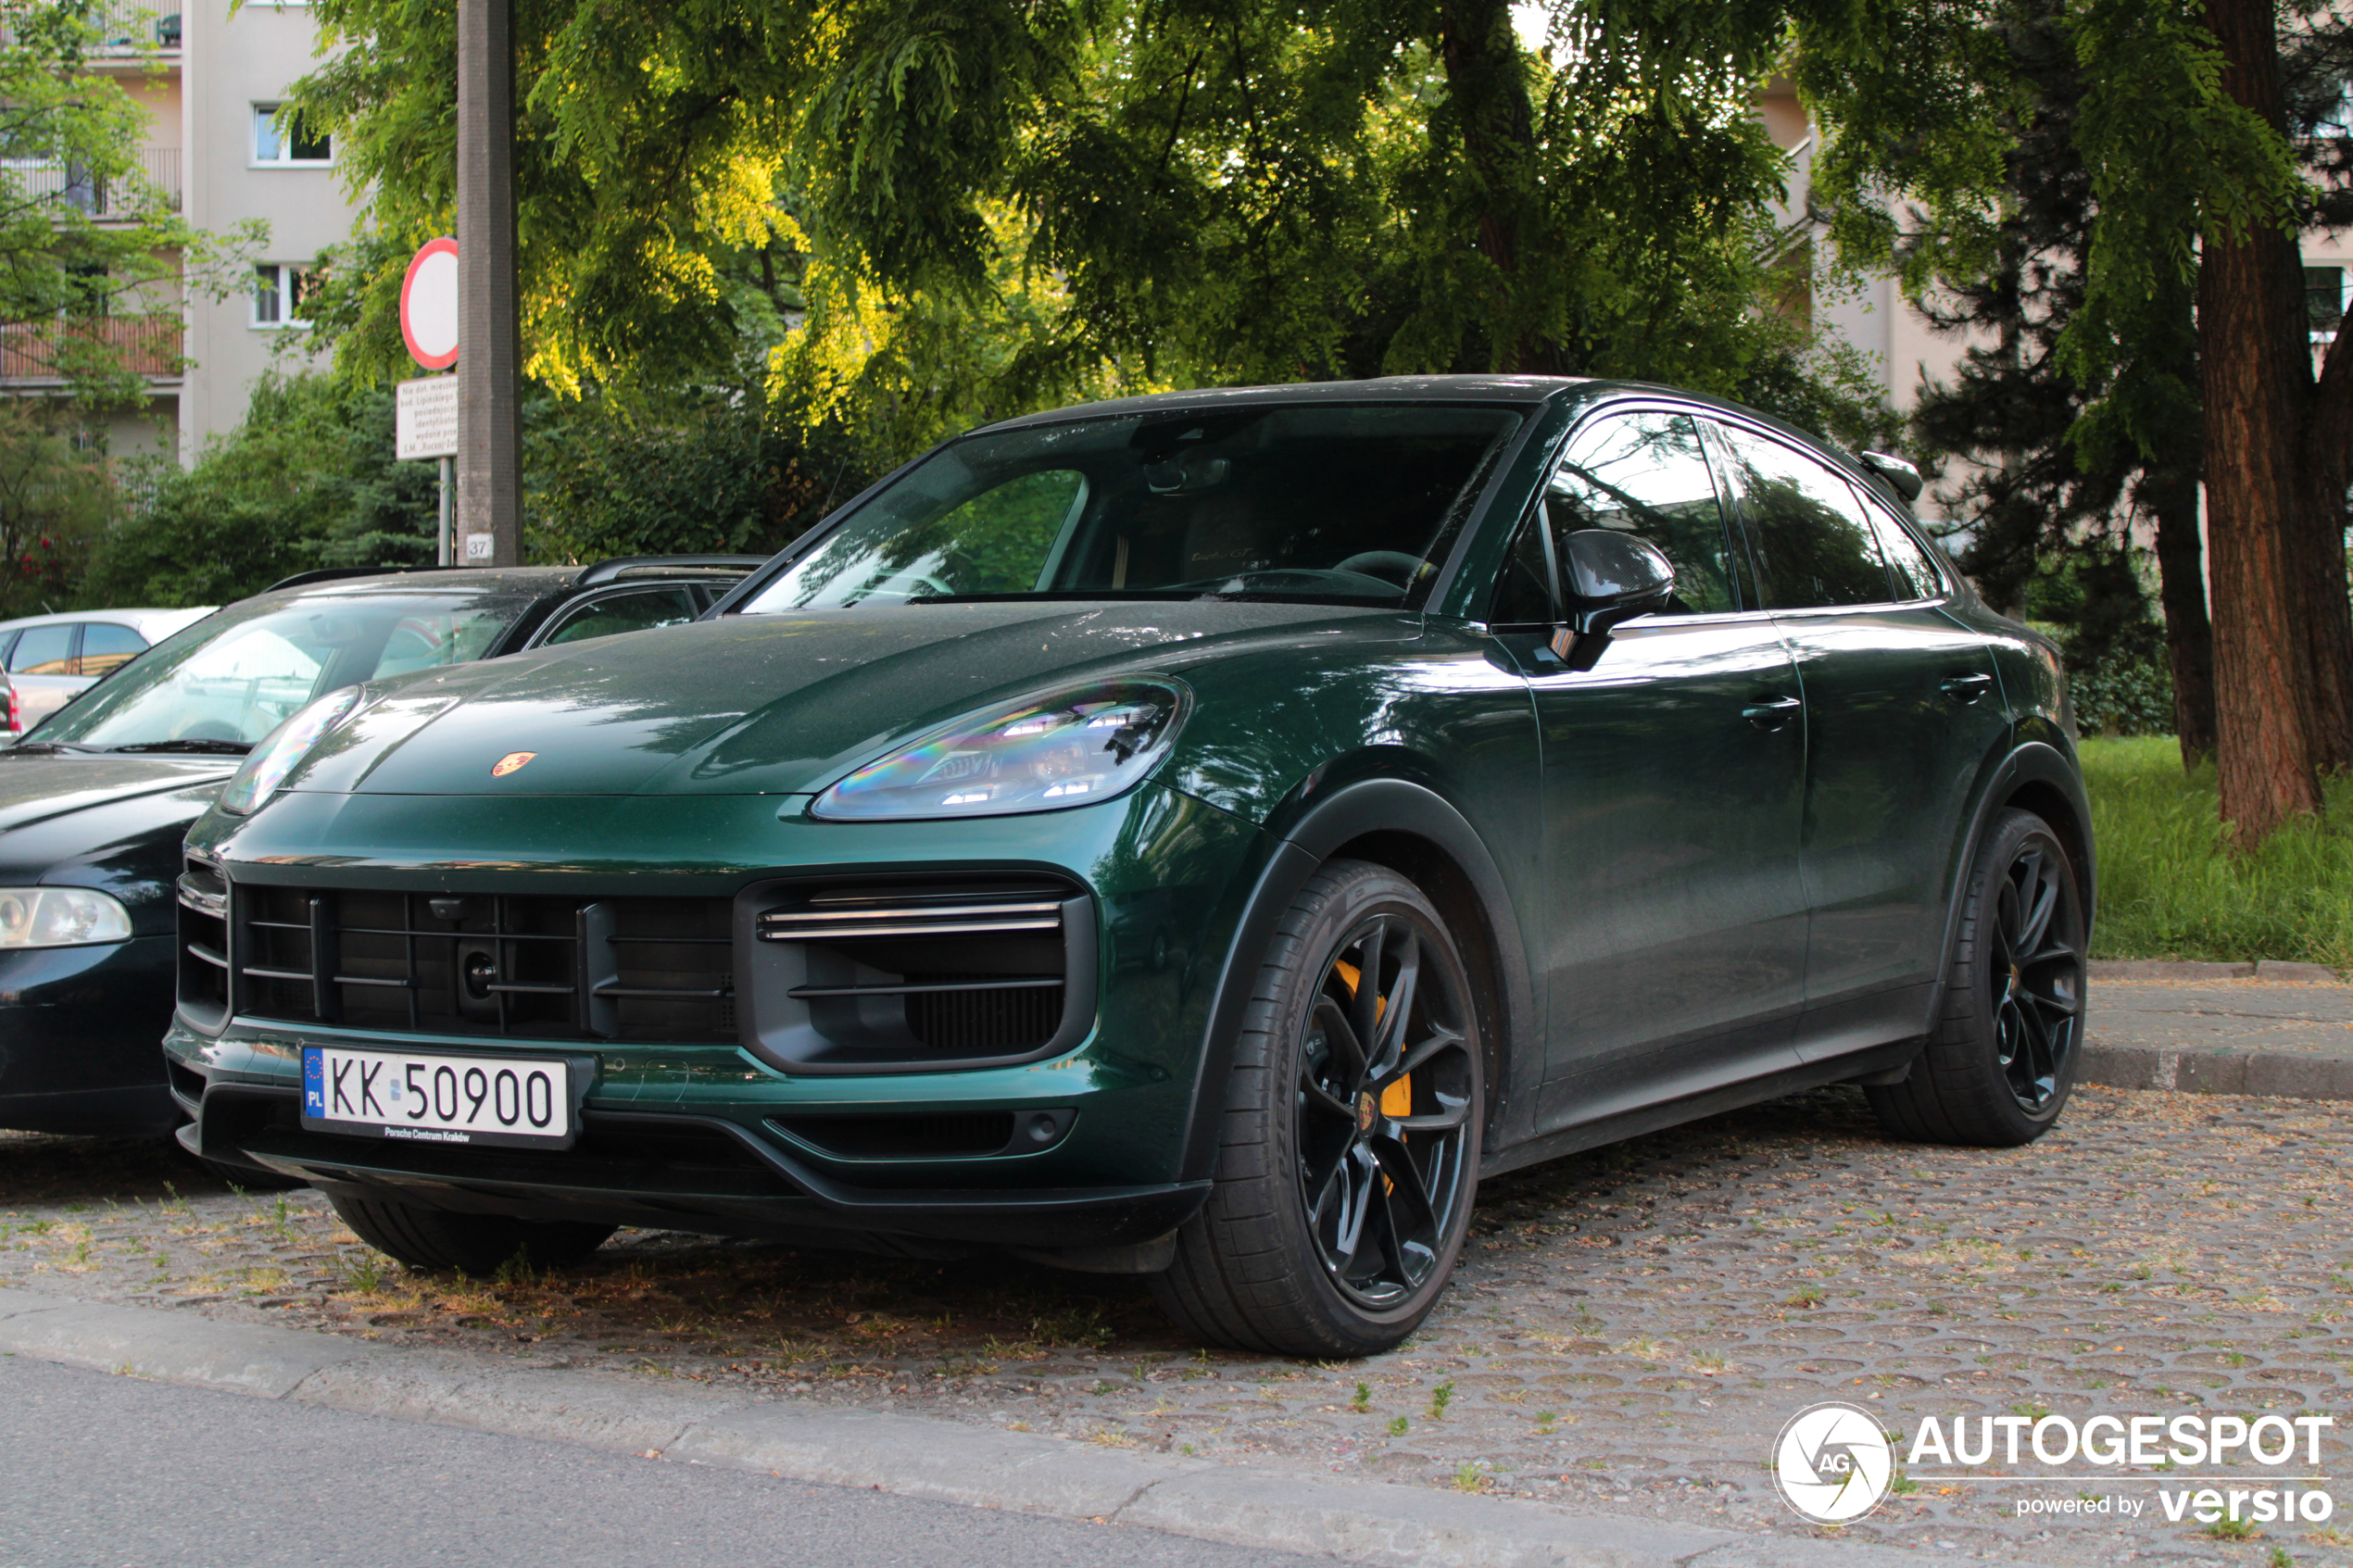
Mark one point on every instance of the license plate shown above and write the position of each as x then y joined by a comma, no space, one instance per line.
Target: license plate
420,1097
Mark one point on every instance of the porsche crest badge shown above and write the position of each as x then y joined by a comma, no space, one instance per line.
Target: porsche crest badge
509,762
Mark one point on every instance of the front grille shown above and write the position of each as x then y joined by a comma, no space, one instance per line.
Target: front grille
535,966
942,974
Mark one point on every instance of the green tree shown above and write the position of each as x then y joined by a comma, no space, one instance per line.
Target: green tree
307,481
1116,194
57,495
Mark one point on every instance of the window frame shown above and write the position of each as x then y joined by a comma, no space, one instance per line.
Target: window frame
288,297
265,111
72,655
81,647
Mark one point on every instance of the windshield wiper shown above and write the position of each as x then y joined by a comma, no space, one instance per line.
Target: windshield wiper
46,748
196,747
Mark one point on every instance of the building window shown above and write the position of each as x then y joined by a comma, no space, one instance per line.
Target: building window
281,146
2324,301
280,291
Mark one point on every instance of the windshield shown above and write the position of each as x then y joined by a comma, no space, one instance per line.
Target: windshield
1348,503
229,679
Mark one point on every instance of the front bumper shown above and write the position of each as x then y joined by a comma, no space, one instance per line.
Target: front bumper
725,1172
78,1032
736,1138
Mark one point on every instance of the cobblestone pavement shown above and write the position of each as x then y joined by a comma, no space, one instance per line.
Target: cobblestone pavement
1629,1330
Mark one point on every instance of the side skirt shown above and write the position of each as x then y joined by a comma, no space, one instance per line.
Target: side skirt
1881,1063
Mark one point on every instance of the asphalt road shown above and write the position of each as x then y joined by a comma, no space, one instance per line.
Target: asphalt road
105,1471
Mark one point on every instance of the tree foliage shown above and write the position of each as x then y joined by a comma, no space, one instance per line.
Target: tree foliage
968,206
307,481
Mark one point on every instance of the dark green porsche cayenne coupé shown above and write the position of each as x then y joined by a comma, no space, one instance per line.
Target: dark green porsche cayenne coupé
1199,836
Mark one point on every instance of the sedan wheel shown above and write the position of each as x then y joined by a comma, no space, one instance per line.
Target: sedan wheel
1352,1132
2003,1057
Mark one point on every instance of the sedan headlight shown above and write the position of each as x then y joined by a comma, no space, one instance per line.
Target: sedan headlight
268,764
60,917
1072,747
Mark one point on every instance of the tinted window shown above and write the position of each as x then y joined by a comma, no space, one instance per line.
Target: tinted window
106,646
626,612
43,651
1907,559
1644,474
1813,546
1345,503
1524,592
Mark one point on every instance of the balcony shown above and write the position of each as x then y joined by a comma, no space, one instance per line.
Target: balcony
37,351
153,178
126,28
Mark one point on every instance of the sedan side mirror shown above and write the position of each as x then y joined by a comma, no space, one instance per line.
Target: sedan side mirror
1608,578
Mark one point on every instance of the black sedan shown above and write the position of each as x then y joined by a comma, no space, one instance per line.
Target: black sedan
95,802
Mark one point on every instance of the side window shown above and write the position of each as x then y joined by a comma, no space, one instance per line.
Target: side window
1524,590
44,651
1813,545
107,647
625,612
1646,476
1907,559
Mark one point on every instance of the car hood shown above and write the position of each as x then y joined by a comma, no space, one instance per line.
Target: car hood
757,705
34,789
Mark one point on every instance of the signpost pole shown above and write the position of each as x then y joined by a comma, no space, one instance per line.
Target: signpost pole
489,456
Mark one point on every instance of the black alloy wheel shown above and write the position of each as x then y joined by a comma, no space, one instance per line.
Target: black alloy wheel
2001,1059
1384,1087
2036,977
1348,1151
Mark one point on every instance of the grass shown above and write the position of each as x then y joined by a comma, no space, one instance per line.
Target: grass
2169,889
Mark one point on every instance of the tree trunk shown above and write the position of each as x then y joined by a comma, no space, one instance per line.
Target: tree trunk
1487,104
2171,496
2252,373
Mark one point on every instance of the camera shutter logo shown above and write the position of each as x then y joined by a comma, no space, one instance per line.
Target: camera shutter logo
1833,1463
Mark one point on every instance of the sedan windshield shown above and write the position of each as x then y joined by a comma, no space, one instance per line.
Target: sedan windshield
1346,503
226,682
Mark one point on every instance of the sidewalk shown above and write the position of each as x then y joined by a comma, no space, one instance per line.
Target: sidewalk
2220,1028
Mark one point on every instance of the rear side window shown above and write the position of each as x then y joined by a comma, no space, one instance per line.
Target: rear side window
1907,561
1646,476
44,651
626,612
1814,547
105,646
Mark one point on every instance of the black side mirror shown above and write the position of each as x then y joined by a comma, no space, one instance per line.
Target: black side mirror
1608,579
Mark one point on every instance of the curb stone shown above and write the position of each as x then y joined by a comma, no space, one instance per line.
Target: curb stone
2282,1075
2171,969
1354,1521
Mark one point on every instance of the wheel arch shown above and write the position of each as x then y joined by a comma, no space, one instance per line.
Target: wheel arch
2035,776
1416,831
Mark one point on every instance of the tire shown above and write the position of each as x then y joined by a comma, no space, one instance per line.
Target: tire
479,1245
1345,1175
2002,1058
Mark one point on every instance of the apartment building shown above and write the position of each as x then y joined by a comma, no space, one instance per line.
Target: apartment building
211,82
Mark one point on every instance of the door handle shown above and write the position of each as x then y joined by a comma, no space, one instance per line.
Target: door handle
1965,689
1771,712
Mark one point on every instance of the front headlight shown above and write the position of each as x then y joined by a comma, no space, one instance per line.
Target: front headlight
59,917
268,764
1072,747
